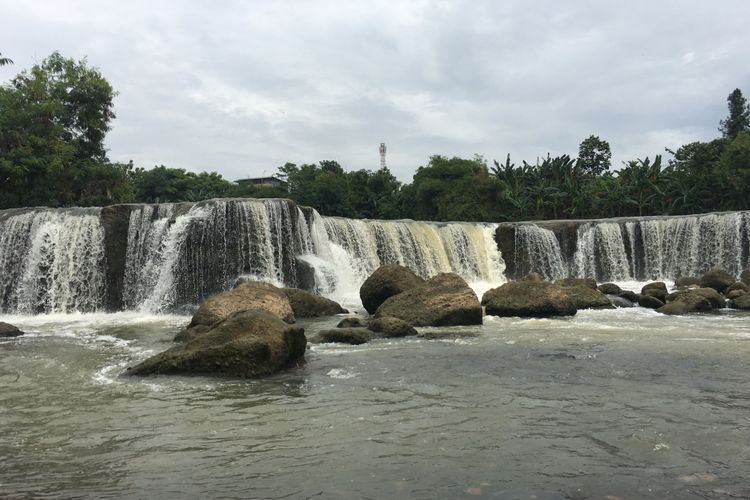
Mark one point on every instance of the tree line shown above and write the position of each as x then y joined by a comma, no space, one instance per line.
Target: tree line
54,119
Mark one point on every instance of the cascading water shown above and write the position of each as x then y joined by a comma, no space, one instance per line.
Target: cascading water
537,250
52,261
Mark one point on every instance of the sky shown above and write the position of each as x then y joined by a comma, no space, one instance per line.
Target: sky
242,87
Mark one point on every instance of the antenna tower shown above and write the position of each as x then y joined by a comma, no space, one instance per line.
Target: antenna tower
382,155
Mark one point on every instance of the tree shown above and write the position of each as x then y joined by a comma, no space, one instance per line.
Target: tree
594,156
739,115
4,60
53,121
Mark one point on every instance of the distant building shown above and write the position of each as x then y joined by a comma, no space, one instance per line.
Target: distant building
274,182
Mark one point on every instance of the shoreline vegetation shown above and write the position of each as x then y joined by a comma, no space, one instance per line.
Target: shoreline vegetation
55,116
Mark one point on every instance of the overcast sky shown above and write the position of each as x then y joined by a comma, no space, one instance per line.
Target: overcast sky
241,87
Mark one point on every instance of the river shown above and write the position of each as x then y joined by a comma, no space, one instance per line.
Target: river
616,404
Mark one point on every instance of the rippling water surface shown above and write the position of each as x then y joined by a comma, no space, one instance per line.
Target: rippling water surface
608,404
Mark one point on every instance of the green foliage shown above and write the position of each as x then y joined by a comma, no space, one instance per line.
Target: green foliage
4,60
739,115
594,156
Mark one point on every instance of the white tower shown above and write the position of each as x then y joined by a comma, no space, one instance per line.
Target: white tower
382,155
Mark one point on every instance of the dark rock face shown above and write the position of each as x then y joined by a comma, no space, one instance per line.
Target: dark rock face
246,344
745,276
385,282
244,296
308,305
528,299
685,303
650,302
629,295
115,220
392,327
443,300
656,289
8,330
354,336
352,323
610,289
585,297
717,279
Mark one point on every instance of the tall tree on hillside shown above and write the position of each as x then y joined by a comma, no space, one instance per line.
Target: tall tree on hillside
594,156
739,116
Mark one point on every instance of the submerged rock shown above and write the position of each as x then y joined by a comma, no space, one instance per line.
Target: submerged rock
8,330
354,336
717,279
443,300
309,305
528,299
244,296
387,280
251,343
389,326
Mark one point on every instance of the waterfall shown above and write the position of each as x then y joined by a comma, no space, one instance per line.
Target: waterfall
52,261
640,249
537,250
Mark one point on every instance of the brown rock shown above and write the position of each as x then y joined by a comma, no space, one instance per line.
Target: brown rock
443,300
568,282
8,330
251,343
649,301
309,305
385,282
389,326
686,302
585,297
244,296
717,279
528,299
354,336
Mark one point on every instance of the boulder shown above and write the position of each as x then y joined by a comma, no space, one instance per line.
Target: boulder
8,330
713,297
443,300
352,323
385,282
738,285
745,276
252,343
244,296
528,299
717,279
618,301
686,281
354,336
742,302
656,292
389,326
629,295
568,282
585,297
309,305
649,301
610,289
191,333
735,294
654,285
686,302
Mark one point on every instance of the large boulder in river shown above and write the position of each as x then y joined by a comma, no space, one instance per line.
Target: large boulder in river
745,276
251,343
443,300
569,282
309,305
387,280
585,297
686,302
8,330
649,301
656,289
528,299
717,279
610,289
244,296
742,302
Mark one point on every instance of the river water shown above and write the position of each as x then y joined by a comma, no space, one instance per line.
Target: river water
617,404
